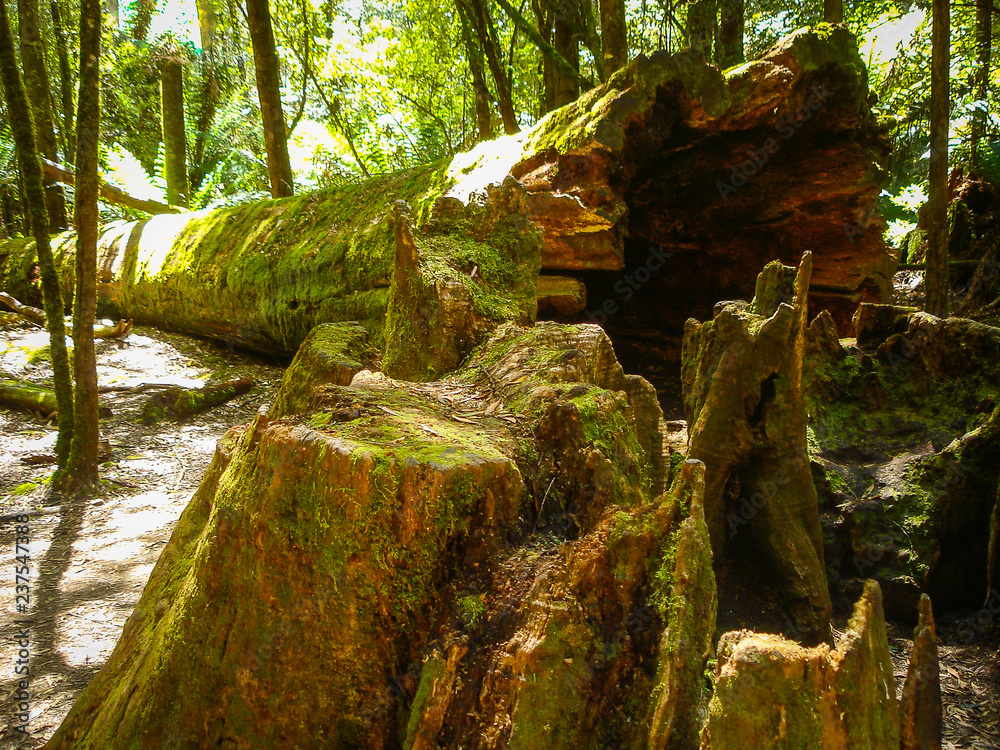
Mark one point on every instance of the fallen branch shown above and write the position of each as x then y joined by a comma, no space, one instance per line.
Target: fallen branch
141,388
65,175
119,330
22,395
27,312
178,403
30,513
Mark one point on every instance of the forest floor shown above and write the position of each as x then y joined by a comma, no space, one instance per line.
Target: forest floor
85,581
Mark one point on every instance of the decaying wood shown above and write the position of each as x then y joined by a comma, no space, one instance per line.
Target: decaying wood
921,703
23,395
119,330
742,377
178,403
110,193
27,312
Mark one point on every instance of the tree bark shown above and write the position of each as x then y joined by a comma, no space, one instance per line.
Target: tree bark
174,137
559,63
36,81
482,23
484,115
565,86
19,114
65,82
614,36
142,19
742,379
81,474
729,43
265,58
984,47
936,276
701,26
921,703
833,11
210,89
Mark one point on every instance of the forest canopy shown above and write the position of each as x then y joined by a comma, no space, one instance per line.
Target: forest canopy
374,87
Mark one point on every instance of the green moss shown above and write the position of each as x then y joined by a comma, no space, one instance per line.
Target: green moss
433,669
471,609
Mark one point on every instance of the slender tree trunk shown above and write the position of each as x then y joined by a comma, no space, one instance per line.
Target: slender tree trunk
65,82
729,43
564,84
484,115
143,18
210,89
208,22
81,474
833,11
174,138
559,63
544,18
483,24
36,81
701,26
614,36
265,58
984,37
19,115
936,275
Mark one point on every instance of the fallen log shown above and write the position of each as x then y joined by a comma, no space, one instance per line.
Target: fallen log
20,394
110,193
27,312
179,403
670,185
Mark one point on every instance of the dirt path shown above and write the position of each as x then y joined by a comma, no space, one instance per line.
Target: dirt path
87,575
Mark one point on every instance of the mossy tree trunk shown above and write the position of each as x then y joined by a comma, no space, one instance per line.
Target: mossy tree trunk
36,81
701,26
19,115
565,88
210,89
833,11
65,82
484,115
172,123
265,58
984,50
482,23
936,275
614,36
80,475
729,42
